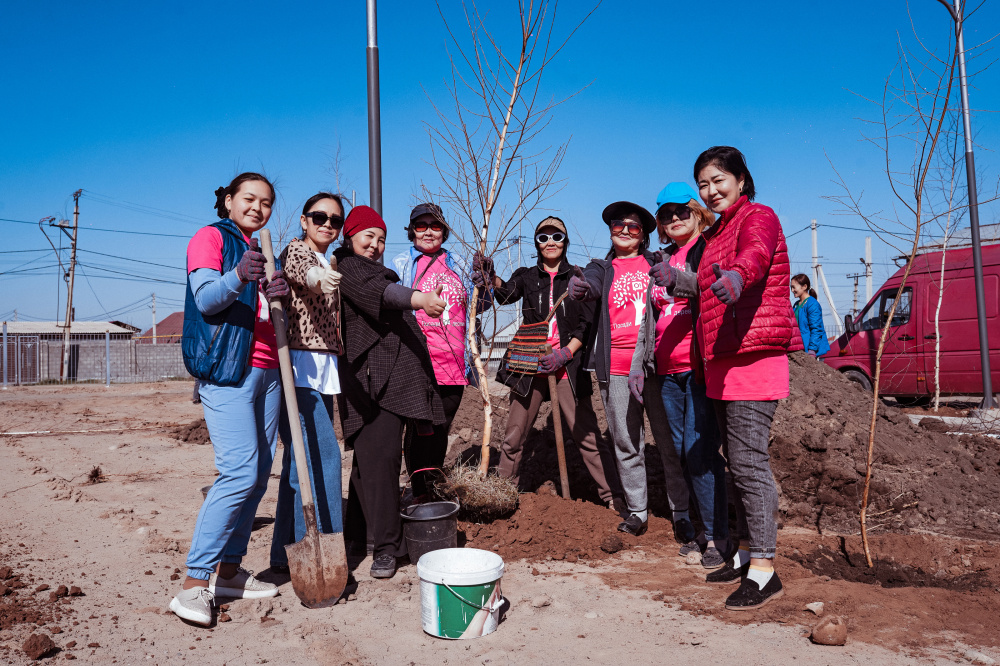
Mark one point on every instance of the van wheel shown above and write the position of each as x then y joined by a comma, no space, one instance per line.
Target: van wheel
859,378
913,401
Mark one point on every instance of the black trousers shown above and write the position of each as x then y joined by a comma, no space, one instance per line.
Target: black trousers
373,495
423,451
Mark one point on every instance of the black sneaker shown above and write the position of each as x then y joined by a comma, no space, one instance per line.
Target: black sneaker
684,531
690,547
728,573
384,566
749,596
633,525
712,558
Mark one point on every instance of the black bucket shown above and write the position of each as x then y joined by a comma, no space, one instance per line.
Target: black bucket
430,526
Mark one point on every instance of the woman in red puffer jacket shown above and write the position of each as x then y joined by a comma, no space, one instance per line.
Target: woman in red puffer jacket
745,331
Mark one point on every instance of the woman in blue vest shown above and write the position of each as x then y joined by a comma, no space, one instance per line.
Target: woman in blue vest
809,315
230,347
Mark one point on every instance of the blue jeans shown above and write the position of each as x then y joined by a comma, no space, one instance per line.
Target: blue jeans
242,421
695,434
323,459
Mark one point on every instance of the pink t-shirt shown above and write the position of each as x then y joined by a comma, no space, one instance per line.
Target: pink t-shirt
626,303
755,376
205,251
445,335
553,325
675,327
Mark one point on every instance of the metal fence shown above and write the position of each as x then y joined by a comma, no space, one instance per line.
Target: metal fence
102,358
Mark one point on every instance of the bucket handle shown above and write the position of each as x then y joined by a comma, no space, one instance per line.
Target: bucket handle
431,469
469,603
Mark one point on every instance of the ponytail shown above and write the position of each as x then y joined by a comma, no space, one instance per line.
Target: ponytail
234,187
812,292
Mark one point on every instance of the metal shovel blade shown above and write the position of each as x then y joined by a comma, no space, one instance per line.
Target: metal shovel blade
318,566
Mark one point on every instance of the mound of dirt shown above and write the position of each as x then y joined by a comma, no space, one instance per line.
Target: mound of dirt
195,432
22,602
922,478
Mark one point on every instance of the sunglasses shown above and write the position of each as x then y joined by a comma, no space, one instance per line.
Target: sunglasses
557,237
634,228
682,213
424,226
319,218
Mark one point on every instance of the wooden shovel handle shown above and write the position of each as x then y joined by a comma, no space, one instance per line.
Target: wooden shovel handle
288,386
557,426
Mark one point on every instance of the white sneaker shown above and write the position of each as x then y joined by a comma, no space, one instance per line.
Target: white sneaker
242,586
194,605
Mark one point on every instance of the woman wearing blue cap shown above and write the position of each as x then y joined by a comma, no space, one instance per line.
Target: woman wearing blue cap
667,353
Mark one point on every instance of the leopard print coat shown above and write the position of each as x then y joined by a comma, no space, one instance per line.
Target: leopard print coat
313,319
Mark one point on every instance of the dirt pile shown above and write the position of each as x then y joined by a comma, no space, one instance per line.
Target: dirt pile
922,478
26,607
195,432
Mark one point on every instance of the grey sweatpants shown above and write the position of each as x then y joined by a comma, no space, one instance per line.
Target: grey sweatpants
624,414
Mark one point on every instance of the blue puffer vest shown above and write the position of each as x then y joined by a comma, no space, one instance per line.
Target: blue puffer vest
217,347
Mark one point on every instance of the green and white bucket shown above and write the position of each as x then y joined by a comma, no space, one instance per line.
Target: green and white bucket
460,592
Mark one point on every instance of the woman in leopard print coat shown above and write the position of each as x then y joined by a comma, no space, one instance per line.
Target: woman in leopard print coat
314,341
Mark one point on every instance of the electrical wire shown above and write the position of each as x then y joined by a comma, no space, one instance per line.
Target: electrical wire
132,275
141,208
138,261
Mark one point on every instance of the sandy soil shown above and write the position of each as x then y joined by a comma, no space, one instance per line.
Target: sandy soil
122,539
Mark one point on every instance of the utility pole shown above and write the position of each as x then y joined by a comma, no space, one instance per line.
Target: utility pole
69,293
812,226
820,279
955,9
374,122
154,317
868,268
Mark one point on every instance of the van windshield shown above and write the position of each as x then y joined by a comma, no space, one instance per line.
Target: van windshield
873,318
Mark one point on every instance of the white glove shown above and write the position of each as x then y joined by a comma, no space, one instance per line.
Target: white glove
322,280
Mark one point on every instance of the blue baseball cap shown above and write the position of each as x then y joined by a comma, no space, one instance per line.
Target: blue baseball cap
675,193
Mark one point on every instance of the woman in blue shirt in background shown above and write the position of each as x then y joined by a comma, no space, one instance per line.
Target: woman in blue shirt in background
809,316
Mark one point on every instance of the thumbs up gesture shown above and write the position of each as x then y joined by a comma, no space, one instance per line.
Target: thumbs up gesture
728,285
578,287
432,303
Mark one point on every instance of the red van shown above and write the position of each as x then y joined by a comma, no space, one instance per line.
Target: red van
908,358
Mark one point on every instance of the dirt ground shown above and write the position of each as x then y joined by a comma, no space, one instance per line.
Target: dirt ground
116,539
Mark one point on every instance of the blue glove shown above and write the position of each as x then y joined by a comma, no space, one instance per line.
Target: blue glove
578,286
728,285
276,287
636,382
251,266
552,362
663,274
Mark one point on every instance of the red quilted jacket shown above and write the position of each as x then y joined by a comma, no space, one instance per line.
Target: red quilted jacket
747,239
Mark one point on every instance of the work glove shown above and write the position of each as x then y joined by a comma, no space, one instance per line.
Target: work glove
276,287
727,286
552,362
636,383
578,286
664,275
482,270
322,280
251,266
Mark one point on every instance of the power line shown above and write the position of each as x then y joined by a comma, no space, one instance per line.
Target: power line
138,261
132,275
141,208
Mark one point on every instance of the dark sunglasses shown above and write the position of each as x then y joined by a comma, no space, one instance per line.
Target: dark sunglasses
319,218
424,226
682,213
634,228
557,237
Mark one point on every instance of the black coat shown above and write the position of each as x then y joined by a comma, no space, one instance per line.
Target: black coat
531,285
385,364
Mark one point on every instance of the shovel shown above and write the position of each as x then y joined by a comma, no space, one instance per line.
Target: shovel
317,563
557,425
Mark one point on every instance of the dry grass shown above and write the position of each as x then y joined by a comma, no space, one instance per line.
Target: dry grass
96,475
481,500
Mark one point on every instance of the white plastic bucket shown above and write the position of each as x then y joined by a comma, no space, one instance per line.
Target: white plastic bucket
460,593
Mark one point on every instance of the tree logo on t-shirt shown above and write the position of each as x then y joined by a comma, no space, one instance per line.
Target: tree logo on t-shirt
453,294
631,288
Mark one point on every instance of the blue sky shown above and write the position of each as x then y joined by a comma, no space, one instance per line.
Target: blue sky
159,104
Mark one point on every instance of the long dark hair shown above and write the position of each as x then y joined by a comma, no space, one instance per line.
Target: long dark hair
319,196
234,187
730,160
803,280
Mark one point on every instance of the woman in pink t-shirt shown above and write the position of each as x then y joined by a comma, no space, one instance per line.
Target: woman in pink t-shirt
620,282
745,330
229,345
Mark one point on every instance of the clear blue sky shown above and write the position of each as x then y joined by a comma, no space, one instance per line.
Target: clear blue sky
159,104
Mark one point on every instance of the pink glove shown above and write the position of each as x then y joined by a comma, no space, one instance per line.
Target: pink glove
251,266
276,287
728,286
663,274
578,287
552,362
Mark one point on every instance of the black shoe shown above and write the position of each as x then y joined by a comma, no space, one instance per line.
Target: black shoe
384,566
633,525
684,531
749,596
279,568
728,573
689,547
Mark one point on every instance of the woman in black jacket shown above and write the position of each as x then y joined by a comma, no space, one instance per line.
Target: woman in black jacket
538,287
386,379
